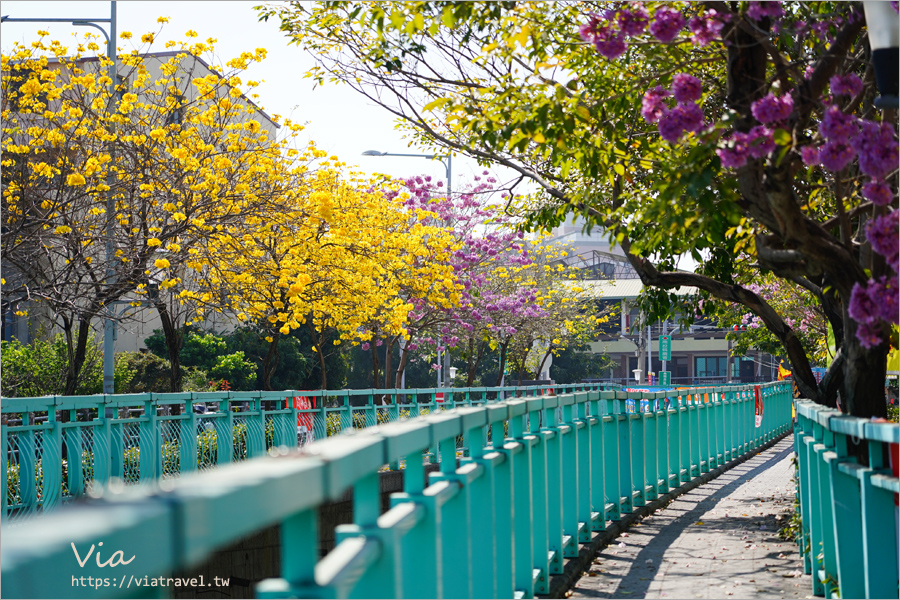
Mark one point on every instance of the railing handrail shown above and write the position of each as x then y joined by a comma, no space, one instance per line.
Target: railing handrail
621,461
847,491
63,402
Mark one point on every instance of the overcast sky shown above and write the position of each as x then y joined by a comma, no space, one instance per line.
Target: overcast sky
338,119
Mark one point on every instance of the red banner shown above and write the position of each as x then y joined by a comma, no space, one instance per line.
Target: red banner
759,405
304,420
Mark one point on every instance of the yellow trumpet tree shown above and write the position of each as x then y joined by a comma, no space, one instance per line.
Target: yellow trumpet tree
110,188
338,255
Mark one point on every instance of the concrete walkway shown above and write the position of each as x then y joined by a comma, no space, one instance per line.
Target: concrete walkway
719,540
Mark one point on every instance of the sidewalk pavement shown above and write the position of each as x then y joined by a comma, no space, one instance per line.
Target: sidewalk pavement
719,540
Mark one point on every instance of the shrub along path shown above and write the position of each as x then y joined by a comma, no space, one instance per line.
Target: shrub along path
719,540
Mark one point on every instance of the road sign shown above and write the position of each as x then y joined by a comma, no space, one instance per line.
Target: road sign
665,378
665,347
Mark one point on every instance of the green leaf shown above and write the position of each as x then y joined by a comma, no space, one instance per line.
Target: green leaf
447,18
436,103
782,137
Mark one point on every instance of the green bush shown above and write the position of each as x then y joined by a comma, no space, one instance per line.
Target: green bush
236,370
148,372
39,368
202,350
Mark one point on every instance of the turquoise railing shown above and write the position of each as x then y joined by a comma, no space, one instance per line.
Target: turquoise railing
848,490
48,460
541,475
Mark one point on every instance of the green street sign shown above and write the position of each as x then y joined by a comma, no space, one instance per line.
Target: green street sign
665,347
665,378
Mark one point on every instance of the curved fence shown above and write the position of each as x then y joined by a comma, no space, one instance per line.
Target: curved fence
535,478
56,448
848,489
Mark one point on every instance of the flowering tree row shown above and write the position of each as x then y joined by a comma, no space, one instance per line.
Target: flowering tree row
171,190
736,133
511,295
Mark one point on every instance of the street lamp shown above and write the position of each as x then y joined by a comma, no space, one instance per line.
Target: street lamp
109,325
884,40
444,374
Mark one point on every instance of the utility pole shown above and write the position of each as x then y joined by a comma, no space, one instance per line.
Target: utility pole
109,324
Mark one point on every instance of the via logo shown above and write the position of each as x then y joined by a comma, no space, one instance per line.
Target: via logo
118,557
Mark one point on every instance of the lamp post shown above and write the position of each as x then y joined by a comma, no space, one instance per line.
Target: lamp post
109,325
884,40
444,377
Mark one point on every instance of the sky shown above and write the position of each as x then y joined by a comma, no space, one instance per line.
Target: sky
339,120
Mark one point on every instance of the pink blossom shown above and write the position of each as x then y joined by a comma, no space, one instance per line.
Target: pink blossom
667,23
877,192
706,29
868,335
772,108
737,151
756,143
589,29
686,88
759,10
877,148
652,106
633,21
609,43
839,126
884,295
684,117
762,141
835,155
810,155
882,233
846,85
861,308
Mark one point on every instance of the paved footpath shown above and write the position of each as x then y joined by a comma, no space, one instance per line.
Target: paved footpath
719,540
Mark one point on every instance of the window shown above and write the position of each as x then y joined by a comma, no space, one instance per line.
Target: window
24,92
710,366
121,87
743,369
176,115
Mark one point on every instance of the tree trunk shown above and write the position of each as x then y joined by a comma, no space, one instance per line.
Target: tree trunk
320,342
862,393
70,356
375,368
74,372
544,360
174,341
473,363
270,363
388,359
322,366
404,359
502,361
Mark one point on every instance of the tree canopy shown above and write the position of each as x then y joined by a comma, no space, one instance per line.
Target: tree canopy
736,133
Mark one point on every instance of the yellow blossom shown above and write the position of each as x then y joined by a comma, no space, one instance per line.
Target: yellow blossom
75,179
161,263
